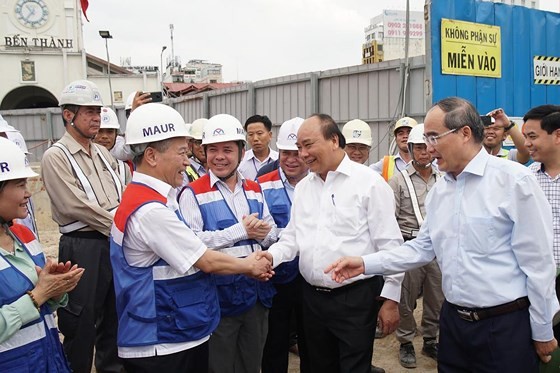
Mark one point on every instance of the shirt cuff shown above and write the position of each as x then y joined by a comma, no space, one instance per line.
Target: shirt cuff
371,265
238,232
54,305
541,332
26,309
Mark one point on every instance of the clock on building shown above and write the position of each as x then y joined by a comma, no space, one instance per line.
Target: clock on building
32,13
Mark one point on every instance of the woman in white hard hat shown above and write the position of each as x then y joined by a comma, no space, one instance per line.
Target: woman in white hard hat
12,134
107,135
31,287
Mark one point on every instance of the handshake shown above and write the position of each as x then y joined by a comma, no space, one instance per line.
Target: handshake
259,265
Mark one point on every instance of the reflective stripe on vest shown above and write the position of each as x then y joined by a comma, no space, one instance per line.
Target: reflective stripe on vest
88,189
388,167
122,172
192,175
28,334
413,197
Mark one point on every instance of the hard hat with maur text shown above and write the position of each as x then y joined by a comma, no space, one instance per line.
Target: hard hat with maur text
154,122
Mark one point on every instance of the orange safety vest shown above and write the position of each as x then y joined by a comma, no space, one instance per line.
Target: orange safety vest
388,167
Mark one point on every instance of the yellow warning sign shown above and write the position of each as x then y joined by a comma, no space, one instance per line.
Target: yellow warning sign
469,48
546,70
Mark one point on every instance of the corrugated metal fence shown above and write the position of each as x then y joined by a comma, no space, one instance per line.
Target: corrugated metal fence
367,92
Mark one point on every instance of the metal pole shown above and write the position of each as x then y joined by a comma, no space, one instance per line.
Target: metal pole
109,74
161,67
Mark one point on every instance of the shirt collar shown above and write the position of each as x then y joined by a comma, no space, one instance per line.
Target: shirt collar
158,185
476,165
196,165
411,170
215,179
344,167
250,155
74,146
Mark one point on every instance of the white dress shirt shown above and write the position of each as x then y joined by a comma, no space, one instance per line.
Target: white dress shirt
153,232
352,212
250,164
491,232
237,202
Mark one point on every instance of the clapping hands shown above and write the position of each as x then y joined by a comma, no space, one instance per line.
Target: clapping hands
257,229
55,279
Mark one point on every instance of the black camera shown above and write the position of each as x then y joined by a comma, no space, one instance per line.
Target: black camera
486,120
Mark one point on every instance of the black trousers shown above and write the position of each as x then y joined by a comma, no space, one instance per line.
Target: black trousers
193,360
496,344
556,327
90,318
286,306
340,326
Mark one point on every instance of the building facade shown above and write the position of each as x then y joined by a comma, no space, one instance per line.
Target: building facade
42,50
388,32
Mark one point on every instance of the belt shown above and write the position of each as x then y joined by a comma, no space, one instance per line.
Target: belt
477,314
340,289
87,234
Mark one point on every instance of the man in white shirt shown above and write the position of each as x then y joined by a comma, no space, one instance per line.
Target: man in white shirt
490,227
330,216
167,304
259,134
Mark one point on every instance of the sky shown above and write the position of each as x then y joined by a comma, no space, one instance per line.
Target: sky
252,39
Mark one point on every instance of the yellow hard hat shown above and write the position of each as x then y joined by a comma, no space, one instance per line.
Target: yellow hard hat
405,122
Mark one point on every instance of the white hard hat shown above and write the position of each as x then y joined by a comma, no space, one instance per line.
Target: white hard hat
357,132
405,122
197,127
5,127
13,162
222,128
81,93
416,135
129,101
154,122
188,126
287,134
109,119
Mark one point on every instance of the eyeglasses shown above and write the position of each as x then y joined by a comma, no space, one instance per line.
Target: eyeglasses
432,140
360,148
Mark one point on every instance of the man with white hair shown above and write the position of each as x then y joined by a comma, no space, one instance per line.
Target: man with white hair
167,302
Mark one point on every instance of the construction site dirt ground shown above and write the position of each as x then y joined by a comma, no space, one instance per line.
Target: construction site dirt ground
386,350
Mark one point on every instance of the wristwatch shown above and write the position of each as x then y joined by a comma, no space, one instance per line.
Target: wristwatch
511,125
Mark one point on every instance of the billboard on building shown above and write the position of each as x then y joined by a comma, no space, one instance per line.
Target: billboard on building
394,22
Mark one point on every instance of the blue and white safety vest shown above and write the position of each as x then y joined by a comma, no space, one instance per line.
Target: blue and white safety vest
279,205
237,293
156,304
36,346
